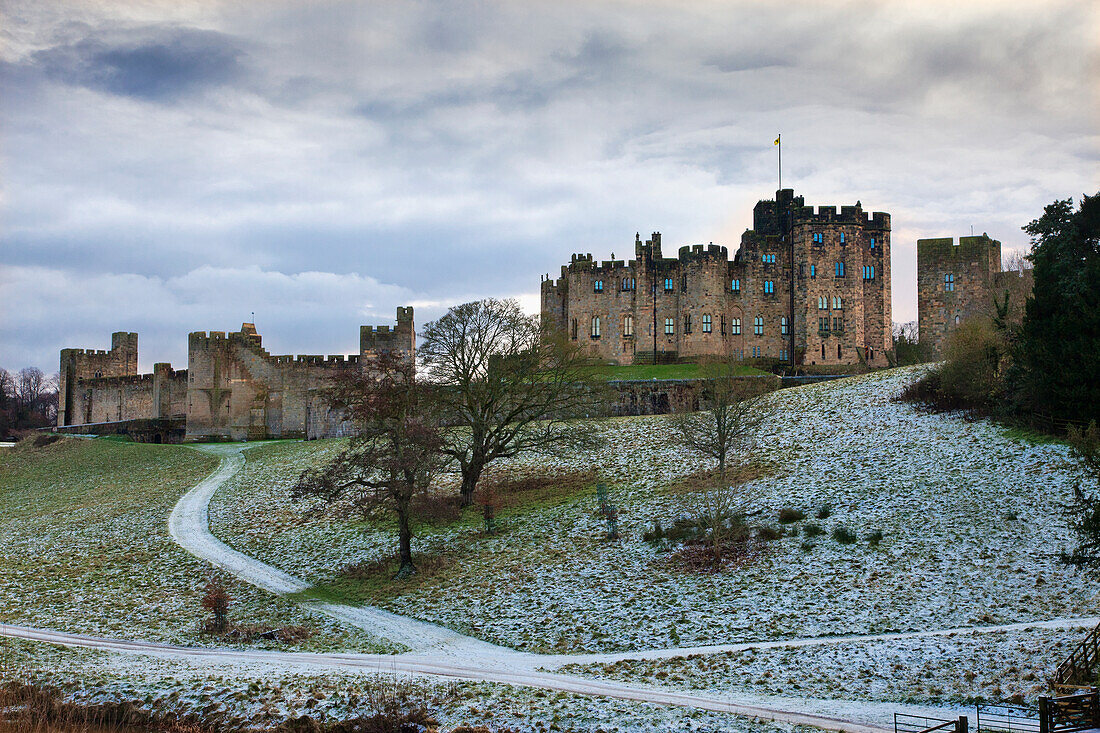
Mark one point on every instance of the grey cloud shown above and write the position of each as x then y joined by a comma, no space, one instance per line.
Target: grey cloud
155,64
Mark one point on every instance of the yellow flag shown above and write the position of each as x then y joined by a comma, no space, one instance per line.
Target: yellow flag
776,140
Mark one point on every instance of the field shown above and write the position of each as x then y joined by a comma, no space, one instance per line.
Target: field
86,548
902,522
969,518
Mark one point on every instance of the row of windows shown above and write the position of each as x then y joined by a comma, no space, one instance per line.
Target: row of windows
823,302
823,323
769,286
670,326
767,259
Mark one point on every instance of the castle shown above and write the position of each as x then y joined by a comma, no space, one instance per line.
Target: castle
232,389
805,287
956,281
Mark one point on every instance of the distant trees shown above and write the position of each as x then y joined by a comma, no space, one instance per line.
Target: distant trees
907,349
1059,347
395,456
1084,511
28,400
507,384
733,412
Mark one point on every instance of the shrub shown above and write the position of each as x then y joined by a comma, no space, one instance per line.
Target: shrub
812,529
656,535
824,511
769,533
788,515
216,600
844,536
874,538
41,441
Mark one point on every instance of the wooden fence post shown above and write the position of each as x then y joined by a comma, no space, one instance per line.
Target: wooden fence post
963,726
1094,703
1044,714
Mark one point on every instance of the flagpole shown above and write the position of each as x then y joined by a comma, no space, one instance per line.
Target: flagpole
779,142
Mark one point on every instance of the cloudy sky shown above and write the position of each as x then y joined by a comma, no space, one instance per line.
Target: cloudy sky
174,166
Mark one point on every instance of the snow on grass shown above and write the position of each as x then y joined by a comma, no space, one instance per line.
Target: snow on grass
257,695
954,669
85,548
969,516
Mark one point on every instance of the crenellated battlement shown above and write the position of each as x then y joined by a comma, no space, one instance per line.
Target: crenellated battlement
710,251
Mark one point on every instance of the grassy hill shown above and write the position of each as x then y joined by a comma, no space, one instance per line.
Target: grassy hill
968,515
85,547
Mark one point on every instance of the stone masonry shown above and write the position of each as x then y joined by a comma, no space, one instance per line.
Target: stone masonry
701,303
233,389
957,281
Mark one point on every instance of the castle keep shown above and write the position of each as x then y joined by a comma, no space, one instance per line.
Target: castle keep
956,281
232,389
823,273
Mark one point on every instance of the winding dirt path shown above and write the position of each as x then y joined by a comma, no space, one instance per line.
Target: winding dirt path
439,651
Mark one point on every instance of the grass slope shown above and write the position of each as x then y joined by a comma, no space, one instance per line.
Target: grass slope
84,547
969,517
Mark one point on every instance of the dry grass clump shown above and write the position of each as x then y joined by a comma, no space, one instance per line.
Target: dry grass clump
515,487
707,478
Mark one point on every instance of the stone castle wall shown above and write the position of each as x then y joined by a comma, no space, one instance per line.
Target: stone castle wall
957,281
714,302
233,389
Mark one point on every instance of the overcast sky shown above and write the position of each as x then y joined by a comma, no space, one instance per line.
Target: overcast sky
174,166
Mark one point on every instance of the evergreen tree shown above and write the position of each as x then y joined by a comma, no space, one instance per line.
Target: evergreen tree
1059,348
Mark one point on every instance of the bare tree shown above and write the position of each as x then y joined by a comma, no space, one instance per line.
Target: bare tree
507,384
735,410
395,455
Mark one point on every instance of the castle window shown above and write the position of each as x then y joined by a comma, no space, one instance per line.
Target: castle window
767,259
769,286
574,329
683,283
813,270
628,283
823,326
843,239
668,284
868,272
819,238
597,286
735,286
838,351
722,326
838,323
840,269
706,324
735,327
628,325
957,320
670,326
783,325
687,324
823,351
758,325
870,354
872,242
595,327
802,269
822,302
949,282
783,354
838,302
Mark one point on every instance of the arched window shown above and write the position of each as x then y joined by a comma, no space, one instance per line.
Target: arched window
870,354
595,327
574,329
956,320
735,327
628,325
